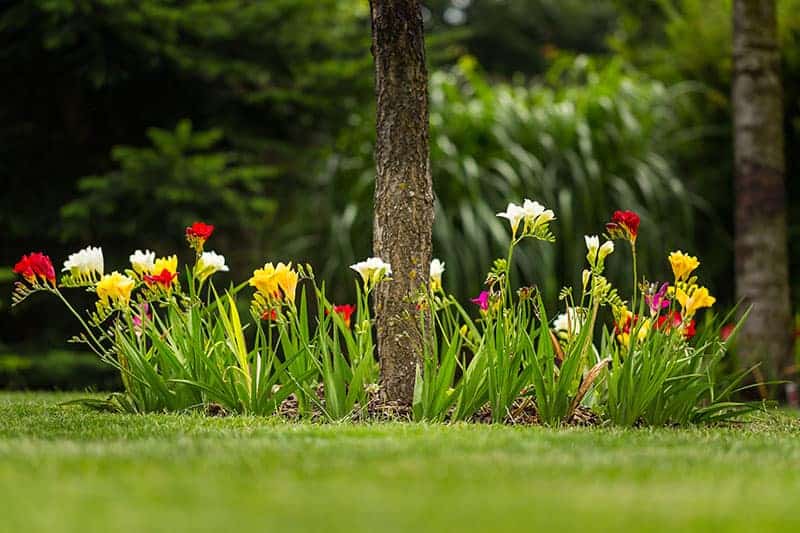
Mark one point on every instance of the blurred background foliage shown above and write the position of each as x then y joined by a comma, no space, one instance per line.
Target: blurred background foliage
122,121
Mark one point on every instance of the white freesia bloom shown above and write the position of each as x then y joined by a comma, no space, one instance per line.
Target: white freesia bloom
436,271
592,245
585,277
85,263
570,322
373,269
532,209
534,214
546,216
605,250
143,262
209,263
514,214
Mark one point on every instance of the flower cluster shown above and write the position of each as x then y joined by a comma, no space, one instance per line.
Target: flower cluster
148,320
372,271
691,296
624,225
197,234
275,283
534,218
86,268
36,267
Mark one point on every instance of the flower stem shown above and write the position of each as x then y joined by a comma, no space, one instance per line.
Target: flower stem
635,280
98,346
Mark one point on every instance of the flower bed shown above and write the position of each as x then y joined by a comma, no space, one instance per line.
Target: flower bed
179,344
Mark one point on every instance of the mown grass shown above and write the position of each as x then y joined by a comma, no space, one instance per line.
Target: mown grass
69,469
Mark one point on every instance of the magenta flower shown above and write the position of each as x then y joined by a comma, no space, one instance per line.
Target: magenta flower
138,320
658,300
482,300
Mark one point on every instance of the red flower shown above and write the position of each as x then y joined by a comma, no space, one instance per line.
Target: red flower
165,278
269,314
624,225
200,230
726,331
345,311
197,234
665,323
690,331
625,327
36,264
674,320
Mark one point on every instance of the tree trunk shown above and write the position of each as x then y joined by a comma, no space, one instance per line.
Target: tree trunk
403,189
762,278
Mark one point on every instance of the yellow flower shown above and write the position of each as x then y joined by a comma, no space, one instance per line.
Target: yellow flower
114,288
287,280
693,298
166,263
682,265
276,281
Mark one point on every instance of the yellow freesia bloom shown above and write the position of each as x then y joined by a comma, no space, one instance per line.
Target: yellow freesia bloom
115,288
287,280
166,263
696,298
682,265
275,281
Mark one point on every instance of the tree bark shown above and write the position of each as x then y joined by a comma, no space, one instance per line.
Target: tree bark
762,278
403,189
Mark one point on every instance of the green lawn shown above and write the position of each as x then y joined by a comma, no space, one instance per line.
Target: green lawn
69,469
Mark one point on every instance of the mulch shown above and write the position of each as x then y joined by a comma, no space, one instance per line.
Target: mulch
522,413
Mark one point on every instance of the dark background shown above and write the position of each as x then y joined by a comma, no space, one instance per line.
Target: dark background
123,121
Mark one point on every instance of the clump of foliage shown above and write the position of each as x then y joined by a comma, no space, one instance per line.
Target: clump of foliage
179,344
591,138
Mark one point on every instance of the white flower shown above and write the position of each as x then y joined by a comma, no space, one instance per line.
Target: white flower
585,278
143,262
533,213
210,263
436,271
373,269
569,322
546,216
605,250
592,245
536,213
85,263
514,214
532,209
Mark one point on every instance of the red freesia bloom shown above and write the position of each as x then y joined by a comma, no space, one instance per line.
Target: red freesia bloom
36,264
345,311
665,323
690,330
726,331
624,225
165,278
200,231
625,327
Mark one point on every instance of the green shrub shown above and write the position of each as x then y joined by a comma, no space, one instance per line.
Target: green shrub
599,141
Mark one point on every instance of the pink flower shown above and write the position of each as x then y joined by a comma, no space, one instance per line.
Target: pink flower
658,300
482,300
138,320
